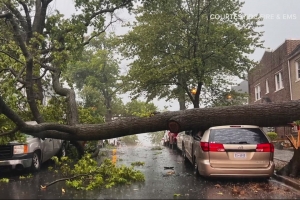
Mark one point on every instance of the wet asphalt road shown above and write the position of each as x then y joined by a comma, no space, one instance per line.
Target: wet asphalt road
159,184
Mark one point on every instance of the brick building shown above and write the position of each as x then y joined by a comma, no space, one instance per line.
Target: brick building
277,77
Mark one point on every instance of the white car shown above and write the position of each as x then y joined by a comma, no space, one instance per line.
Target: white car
180,138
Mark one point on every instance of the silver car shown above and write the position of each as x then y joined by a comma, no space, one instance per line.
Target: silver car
30,154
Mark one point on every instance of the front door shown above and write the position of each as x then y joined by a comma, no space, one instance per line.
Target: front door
47,149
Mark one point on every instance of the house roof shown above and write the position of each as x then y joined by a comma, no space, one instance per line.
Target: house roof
286,49
295,52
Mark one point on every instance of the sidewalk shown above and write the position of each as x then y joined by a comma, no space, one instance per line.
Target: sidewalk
283,155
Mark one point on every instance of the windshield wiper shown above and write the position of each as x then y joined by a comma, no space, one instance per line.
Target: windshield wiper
242,142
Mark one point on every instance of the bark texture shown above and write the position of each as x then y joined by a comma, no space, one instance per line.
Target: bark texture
272,114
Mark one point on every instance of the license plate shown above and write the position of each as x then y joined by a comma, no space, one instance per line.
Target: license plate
239,155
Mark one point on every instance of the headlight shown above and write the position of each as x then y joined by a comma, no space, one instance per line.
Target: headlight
19,149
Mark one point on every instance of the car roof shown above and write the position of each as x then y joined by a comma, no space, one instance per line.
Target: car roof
234,126
31,123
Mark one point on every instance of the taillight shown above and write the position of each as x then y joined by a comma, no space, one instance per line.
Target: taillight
215,147
204,146
265,147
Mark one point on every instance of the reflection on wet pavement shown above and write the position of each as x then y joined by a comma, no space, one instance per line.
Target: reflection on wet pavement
167,177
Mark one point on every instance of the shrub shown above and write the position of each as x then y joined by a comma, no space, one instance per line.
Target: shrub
272,135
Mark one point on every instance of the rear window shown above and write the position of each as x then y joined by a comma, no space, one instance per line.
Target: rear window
237,136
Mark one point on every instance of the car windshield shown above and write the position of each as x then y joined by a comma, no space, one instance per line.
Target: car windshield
237,136
28,136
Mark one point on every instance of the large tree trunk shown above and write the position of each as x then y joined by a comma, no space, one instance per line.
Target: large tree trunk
264,115
293,167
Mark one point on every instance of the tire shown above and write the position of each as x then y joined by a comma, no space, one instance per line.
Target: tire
196,170
62,152
36,162
184,154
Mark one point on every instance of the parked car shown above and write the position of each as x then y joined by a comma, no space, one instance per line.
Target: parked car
172,139
231,151
180,138
30,154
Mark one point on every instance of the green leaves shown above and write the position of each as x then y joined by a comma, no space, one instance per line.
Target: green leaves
178,44
4,180
93,176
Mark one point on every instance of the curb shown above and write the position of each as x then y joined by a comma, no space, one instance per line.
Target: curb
287,181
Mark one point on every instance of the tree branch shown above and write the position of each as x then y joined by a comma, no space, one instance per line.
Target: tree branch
18,16
44,73
63,179
110,10
12,57
99,33
17,33
10,132
28,19
72,111
9,113
14,73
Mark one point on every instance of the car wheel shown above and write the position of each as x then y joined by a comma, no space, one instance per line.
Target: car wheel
36,162
171,146
196,170
184,154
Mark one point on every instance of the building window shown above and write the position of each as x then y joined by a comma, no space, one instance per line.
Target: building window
297,70
257,93
267,86
278,81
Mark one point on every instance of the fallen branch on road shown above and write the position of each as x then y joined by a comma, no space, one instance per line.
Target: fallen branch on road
63,179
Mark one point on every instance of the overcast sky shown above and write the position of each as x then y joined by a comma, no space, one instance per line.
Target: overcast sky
281,22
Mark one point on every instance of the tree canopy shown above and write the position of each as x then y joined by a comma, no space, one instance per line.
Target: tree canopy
37,52
177,46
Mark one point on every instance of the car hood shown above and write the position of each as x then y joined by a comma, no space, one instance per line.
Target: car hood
28,140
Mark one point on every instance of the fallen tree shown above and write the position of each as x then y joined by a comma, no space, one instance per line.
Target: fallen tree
264,115
48,43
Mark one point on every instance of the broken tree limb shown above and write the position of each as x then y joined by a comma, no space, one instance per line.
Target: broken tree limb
63,179
263,115
292,141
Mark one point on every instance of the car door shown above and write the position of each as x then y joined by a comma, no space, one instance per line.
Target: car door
179,140
56,146
47,149
188,145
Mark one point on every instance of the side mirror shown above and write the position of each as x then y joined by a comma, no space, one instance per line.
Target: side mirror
188,132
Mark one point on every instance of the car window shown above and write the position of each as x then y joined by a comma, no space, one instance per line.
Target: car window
237,136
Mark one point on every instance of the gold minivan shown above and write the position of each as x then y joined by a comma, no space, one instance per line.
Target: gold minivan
234,151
